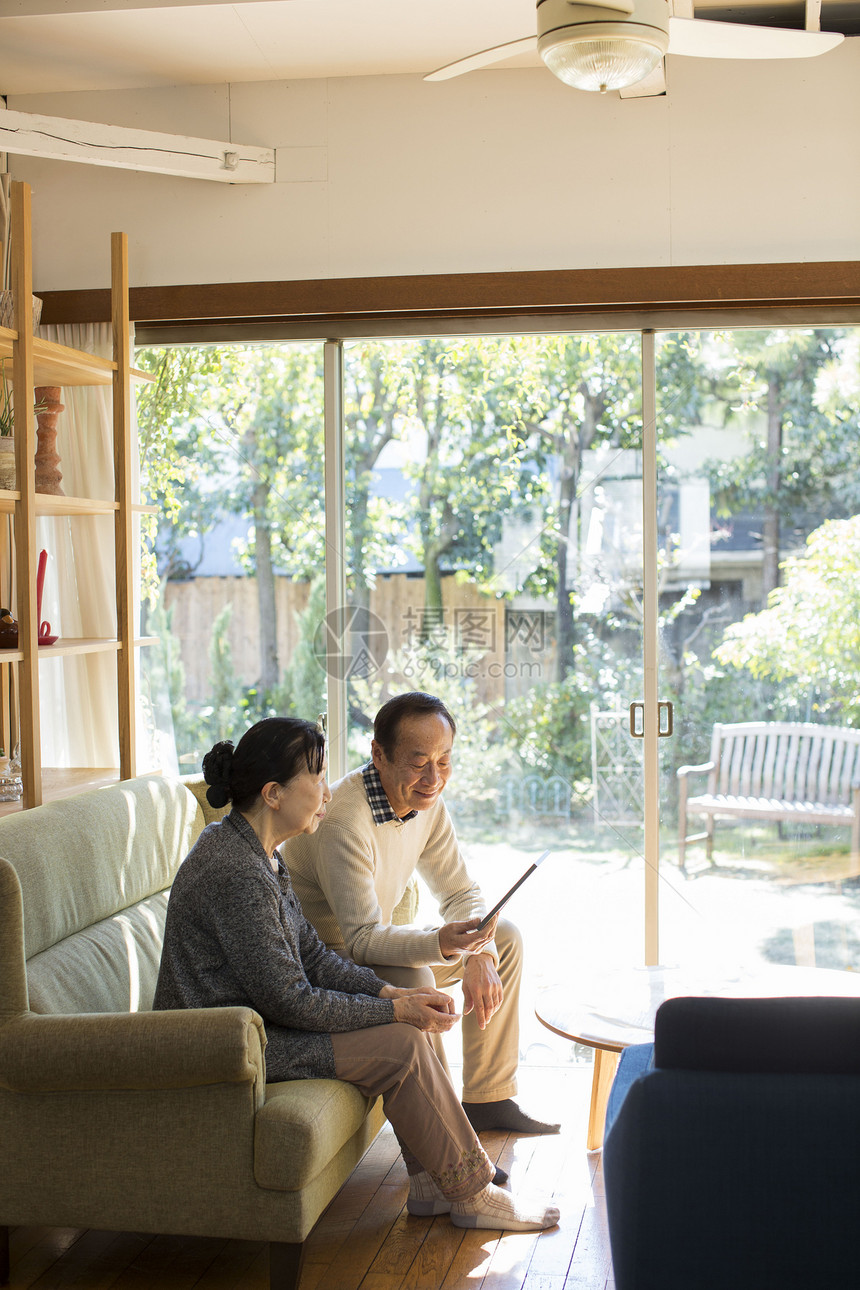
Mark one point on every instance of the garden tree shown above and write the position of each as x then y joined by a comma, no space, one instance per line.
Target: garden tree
376,380
586,394
195,424
589,395
464,407
238,430
808,637
174,457
793,473
268,436
837,399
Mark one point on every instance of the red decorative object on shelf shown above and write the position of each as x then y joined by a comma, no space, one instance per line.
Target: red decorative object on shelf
45,637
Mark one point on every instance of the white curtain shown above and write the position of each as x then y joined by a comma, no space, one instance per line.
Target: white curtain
79,694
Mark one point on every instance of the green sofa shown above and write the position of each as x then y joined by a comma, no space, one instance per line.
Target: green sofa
119,1118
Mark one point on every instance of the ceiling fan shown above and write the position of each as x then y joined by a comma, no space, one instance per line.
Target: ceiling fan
619,43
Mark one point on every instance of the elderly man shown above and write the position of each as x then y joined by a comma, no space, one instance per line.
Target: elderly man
384,823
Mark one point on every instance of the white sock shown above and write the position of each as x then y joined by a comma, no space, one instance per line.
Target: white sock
498,1211
425,1199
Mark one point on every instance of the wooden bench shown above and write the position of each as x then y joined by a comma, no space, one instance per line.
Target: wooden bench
774,770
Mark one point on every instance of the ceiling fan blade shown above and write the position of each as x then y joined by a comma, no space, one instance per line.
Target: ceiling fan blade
485,58
701,38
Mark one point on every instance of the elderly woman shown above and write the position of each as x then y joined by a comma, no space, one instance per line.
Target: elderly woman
235,934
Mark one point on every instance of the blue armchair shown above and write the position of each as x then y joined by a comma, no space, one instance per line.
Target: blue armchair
732,1153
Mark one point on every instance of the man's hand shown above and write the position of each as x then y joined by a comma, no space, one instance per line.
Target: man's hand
482,988
422,1006
464,938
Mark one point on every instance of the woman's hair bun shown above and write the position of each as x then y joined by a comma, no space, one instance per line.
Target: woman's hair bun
216,771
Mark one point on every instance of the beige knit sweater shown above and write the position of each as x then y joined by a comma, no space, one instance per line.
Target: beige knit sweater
352,873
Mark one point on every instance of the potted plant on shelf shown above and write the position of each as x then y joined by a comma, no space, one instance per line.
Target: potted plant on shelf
7,425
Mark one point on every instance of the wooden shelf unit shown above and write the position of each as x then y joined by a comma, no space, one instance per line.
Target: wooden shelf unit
37,362
46,504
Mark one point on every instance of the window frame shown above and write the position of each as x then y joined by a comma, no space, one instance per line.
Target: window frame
645,300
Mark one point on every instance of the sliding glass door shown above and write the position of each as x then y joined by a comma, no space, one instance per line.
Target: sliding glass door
492,548
758,502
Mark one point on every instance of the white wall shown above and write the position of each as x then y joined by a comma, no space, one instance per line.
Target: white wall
500,170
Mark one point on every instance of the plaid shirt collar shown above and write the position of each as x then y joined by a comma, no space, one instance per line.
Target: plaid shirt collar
380,807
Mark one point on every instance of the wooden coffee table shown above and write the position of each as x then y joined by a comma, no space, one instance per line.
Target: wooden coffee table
612,1010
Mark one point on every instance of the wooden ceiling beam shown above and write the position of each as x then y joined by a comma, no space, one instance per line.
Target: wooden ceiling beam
95,144
682,288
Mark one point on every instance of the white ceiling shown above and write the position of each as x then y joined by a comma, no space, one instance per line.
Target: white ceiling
49,46
62,45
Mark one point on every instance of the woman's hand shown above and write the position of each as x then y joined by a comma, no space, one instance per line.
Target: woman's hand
428,1009
464,938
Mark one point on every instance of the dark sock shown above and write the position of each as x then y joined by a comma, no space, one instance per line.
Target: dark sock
500,1177
504,1115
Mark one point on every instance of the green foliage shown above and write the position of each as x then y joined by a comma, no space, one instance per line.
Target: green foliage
218,421
511,428
808,637
548,728
304,677
172,469
166,671
225,692
7,413
777,375
268,432
455,408
195,727
7,417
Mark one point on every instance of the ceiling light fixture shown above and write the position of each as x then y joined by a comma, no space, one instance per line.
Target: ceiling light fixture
596,47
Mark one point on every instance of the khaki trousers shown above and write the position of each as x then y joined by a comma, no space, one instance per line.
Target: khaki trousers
397,1062
490,1056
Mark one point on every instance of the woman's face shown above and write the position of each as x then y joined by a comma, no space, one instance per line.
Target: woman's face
303,802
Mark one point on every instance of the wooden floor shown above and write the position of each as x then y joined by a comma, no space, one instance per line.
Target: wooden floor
366,1240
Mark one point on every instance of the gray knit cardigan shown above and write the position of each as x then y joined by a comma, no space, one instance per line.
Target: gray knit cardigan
235,934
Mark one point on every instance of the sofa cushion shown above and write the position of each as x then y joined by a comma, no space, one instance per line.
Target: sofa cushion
816,1035
301,1127
110,967
87,858
635,1061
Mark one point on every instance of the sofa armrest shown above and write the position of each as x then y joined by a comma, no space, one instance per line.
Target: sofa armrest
196,784
702,769
139,1050
805,1035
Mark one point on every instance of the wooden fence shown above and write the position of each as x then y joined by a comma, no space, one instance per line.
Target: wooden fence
480,627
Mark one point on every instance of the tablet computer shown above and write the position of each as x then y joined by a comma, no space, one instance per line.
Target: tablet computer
519,882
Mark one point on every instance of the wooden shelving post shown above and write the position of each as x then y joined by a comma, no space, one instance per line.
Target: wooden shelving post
25,508
37,361
124,530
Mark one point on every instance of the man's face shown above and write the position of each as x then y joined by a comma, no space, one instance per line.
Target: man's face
420,764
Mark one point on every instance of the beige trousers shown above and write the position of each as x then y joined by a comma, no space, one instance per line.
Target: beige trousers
397,1062
490,1056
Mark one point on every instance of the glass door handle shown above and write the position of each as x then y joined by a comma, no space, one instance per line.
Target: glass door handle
665,719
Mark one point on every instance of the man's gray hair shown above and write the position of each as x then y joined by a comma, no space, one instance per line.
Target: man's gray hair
386,726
